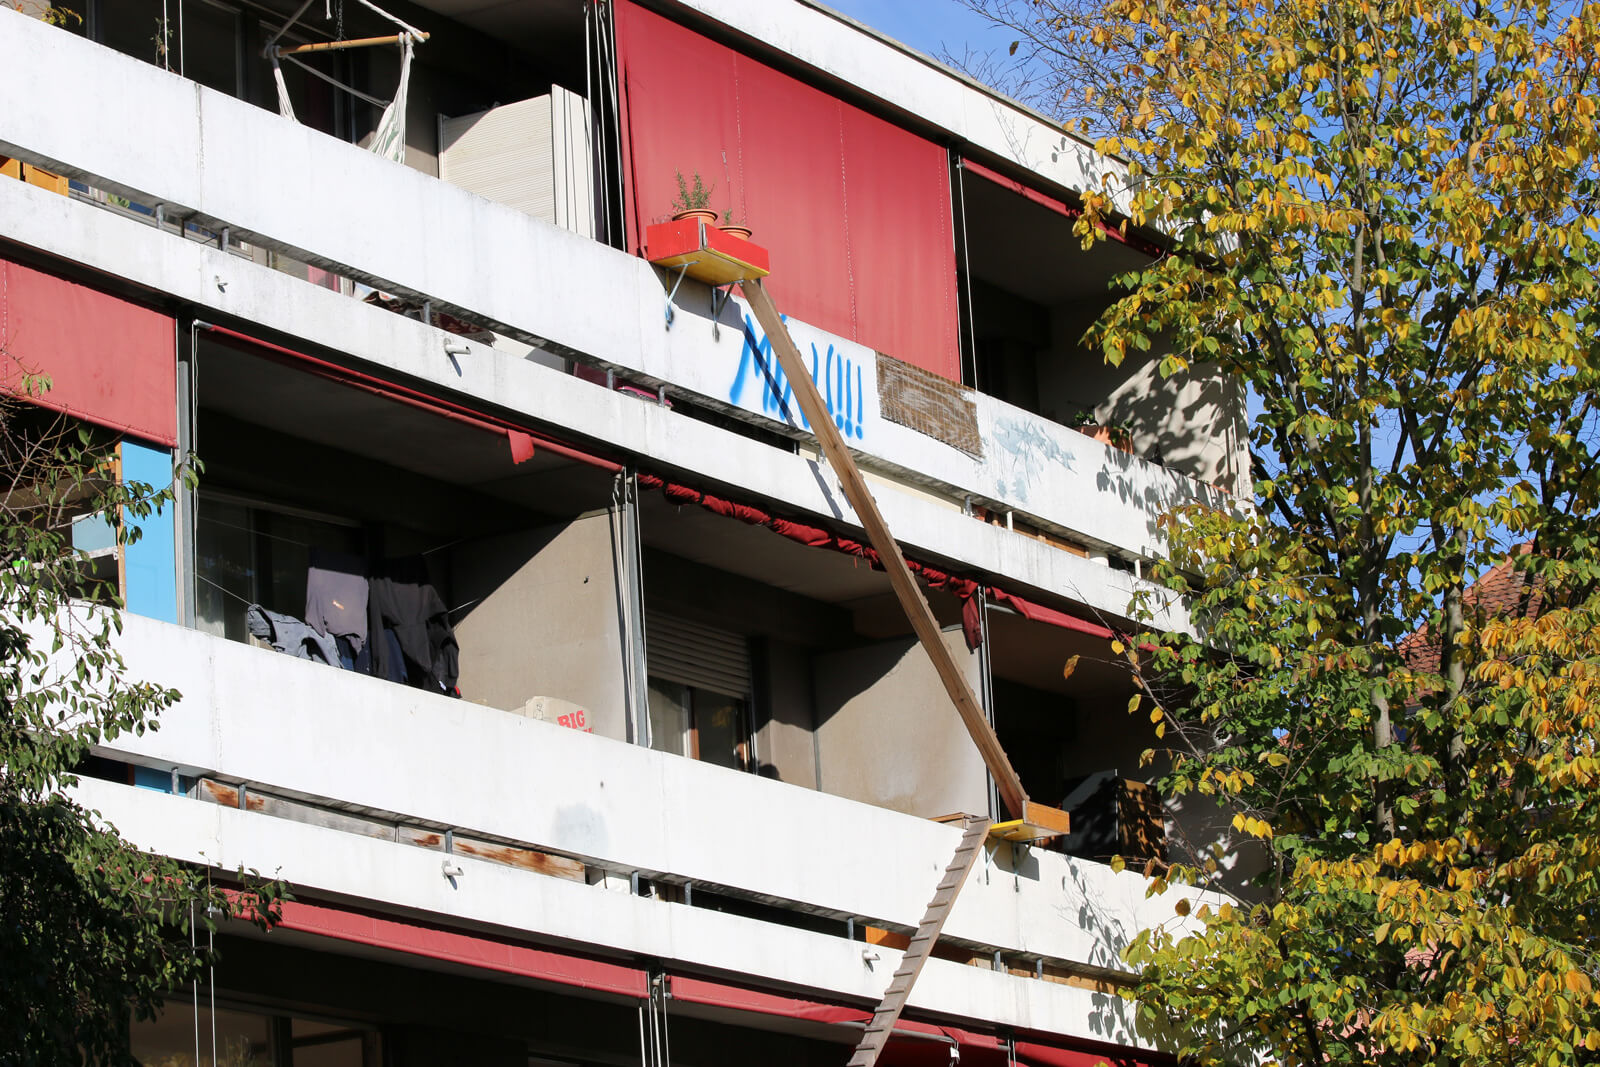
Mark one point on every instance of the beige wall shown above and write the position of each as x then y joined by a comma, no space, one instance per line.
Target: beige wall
1189,422
547,621
888,734
785,744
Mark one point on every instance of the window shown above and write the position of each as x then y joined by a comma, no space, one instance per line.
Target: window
699,680
699,723
249,553
204,41
232,1037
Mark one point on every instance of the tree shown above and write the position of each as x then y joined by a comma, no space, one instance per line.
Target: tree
92,930
1383,220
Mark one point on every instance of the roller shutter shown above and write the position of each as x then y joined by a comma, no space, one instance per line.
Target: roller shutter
693,654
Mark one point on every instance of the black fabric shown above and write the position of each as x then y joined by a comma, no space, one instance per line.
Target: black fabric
401,599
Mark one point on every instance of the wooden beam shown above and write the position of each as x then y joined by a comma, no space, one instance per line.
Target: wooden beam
894,564
359,42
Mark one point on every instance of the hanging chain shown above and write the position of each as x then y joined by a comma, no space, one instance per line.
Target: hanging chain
338,33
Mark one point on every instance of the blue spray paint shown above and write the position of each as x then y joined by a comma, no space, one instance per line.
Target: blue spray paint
832,372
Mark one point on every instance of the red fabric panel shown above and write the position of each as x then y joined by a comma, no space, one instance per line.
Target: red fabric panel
110,362
475,951
854,210
1031,1054
1039,613
902,243
742,998
521,446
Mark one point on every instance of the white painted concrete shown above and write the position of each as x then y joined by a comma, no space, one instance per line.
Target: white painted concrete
225,286
248,714
493,897
235,164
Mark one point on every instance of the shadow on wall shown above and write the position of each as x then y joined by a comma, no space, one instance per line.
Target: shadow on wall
1111,1018
1200,828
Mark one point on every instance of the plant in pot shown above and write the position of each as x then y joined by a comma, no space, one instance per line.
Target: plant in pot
737,225
1116,434
693,200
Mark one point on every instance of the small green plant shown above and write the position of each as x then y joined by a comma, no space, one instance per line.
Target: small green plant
45,11
693,194
729,218
162,40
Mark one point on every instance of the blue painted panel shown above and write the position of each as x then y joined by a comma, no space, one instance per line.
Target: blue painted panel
152,562
152,778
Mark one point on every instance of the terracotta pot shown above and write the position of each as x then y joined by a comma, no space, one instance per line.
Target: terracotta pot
735,230
702,214
1119,440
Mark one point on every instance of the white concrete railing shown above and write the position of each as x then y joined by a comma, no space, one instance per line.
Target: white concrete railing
146,133
220,284
503,899
261,717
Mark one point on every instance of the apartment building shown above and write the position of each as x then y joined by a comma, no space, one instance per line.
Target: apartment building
519,622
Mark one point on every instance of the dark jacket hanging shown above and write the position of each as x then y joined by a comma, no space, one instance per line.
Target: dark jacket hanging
401,599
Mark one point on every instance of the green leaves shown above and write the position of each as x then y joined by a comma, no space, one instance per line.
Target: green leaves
91,929
1382,224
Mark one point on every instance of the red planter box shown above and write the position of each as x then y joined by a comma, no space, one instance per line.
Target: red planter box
710,255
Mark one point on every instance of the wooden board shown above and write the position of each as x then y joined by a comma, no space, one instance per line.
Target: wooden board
1037,823
906,589
528,859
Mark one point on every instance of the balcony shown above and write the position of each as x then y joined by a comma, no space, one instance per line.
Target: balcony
1042,927
234,169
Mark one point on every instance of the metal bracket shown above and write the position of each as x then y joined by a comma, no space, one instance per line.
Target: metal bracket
671,311
726,293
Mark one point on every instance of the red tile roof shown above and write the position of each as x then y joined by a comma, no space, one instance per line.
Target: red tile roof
1501,590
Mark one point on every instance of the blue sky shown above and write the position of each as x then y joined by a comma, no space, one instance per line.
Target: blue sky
929,26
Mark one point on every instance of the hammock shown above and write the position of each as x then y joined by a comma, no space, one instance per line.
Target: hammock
389,136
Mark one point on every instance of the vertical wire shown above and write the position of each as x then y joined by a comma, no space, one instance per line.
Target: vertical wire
607,26
211,982
597,205
211,971
622,575
966,270
194,946
661,1016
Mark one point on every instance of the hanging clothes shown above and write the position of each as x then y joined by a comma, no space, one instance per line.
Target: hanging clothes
406,613
336,596
289,635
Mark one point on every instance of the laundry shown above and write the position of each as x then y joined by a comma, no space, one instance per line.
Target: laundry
336,596
403,601
289,635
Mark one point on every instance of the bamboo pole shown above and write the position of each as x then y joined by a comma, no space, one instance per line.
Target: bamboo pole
359,42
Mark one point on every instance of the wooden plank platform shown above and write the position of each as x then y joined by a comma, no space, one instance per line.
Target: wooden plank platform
1037,823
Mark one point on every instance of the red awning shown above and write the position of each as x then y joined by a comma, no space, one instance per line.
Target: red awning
855,210
915,1043
110,362
1055,204
934,577
522,441
473,950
